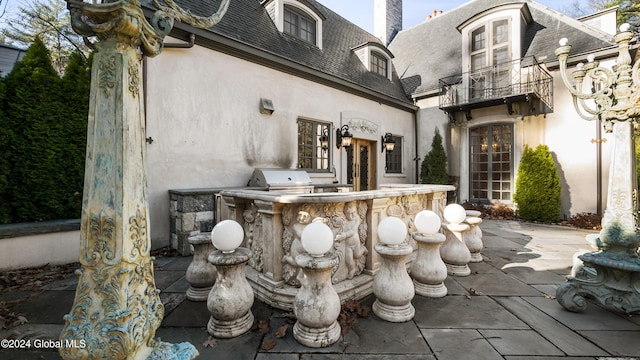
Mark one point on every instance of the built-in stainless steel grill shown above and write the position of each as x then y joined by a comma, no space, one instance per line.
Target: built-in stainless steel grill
282,180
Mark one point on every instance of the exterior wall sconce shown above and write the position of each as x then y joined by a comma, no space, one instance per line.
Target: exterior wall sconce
388,143
324,139
343,137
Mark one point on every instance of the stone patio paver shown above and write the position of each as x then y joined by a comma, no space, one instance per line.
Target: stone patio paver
520,342
462,312
456,344
561,336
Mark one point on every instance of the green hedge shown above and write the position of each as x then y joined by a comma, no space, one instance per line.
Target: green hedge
44,138
538,186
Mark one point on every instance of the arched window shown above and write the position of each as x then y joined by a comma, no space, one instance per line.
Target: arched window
299,24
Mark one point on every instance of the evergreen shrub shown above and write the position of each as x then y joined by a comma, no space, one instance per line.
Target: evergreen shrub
538,186
434,164
43,143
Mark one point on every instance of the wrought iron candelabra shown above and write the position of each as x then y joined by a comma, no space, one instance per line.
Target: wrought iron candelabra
117,308
613,96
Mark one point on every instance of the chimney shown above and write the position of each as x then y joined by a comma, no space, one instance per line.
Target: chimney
387,19
434,13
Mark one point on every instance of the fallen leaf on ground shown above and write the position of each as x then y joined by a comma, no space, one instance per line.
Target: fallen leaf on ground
282,331
268,344
263,326
211,342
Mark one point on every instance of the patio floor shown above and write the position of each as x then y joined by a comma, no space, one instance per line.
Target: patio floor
506,309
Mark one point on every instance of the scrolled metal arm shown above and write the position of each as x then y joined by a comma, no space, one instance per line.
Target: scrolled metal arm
165,16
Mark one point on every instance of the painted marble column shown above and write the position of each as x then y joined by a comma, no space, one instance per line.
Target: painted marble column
117,307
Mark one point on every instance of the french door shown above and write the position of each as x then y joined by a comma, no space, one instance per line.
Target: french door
361,165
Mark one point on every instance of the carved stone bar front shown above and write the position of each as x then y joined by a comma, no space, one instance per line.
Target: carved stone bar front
274,221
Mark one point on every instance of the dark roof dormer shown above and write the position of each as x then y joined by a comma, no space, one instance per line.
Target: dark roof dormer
375,57
297,18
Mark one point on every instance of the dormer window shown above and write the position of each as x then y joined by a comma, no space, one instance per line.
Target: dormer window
379,64
297,18
299,25
375,57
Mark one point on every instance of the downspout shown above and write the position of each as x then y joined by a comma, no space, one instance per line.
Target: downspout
415,142
192,41
599,167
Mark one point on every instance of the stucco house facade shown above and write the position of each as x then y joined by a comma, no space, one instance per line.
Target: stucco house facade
494,86
274,78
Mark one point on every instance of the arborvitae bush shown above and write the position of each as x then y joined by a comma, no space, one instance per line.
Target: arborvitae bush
46,122
434,165
5,206
538,186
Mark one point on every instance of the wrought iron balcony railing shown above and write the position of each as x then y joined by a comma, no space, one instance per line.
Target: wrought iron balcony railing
518,81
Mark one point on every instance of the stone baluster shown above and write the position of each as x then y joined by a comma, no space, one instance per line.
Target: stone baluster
201,274
392,285
428,270
454,251
317,304
473,236
231,297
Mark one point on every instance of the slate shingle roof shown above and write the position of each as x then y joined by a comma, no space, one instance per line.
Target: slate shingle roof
432,50
248,22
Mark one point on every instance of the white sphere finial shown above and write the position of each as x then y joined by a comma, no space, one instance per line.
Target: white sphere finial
580,66
454,213
591,58
227,235
317,239
427,222
625,27
392,231
563,42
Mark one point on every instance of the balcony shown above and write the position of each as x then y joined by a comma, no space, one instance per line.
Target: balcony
522,85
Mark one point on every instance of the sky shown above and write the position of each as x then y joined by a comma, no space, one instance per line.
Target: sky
360,12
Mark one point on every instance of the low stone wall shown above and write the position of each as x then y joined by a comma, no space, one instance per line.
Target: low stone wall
34,244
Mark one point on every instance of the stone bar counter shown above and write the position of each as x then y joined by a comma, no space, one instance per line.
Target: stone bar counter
274,221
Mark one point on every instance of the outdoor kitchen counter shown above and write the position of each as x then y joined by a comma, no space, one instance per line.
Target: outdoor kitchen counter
273,223
385,191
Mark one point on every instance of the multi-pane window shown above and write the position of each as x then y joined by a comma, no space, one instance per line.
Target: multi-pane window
491,162
311,155
378,64
299,24
490,48
393,162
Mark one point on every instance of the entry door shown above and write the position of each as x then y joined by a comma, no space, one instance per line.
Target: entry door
361,165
